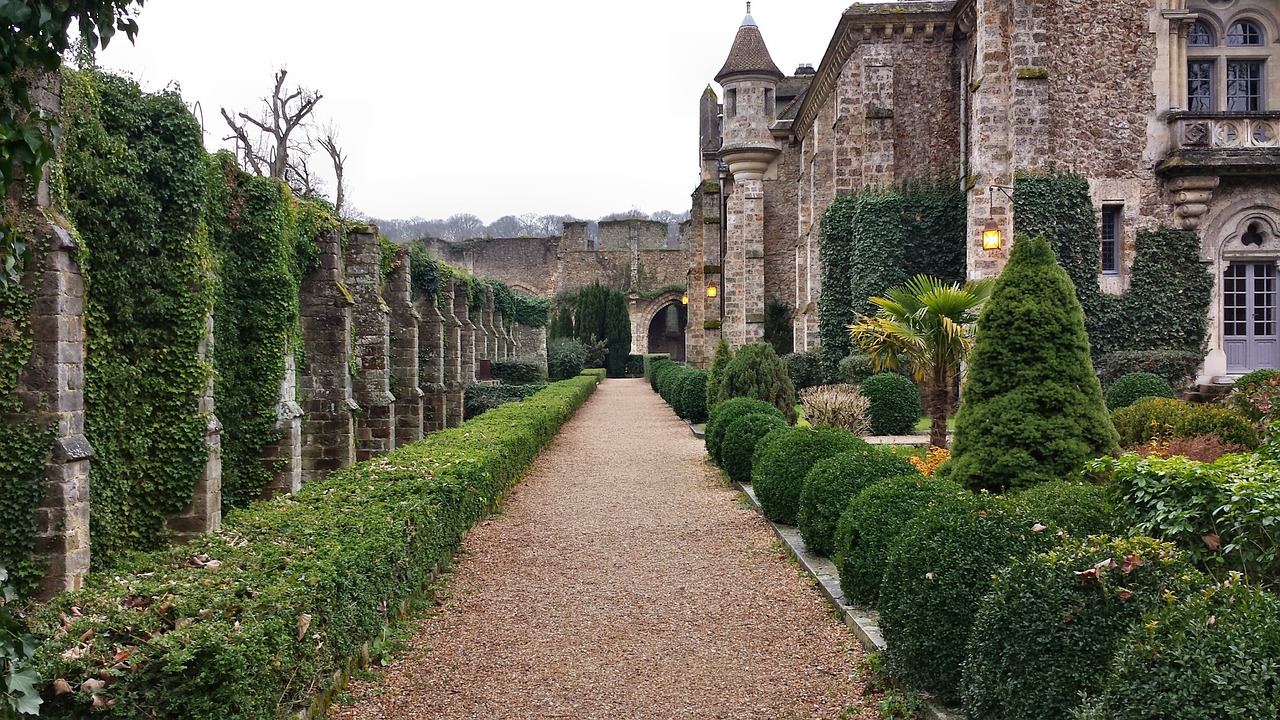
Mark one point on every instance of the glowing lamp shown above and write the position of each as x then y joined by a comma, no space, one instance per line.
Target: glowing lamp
684,299
991,239
712,291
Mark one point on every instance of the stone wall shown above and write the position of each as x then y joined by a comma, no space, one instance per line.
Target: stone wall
328,430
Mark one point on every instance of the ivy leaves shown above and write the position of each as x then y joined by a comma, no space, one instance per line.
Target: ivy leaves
18,693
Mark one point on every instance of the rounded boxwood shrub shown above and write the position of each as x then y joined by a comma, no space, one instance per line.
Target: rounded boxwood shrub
1052,623
895,403
656,369
1132,387
725,413
566,358
938,570
779,468
693,396
833,482
856,368
756,371
803,369
1212,656
872,521
1082,509
741,437
1143,421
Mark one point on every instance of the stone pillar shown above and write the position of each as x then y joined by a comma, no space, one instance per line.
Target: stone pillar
454,388
328,430
285,455
500,337
990,139
431,354
462,310
204,513
490,332
371,326
744,264
404,353
51,390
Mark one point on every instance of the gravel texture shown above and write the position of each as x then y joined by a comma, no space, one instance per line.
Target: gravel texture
622,580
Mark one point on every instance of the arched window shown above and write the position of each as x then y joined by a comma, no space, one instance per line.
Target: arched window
1244,33
1200,35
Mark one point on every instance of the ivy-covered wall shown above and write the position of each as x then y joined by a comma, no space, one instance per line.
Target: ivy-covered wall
1166,306
135,173
429,275
878,238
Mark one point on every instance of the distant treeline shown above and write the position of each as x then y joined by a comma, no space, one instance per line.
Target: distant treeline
464,225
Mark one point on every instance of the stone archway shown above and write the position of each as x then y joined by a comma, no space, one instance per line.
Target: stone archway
658,325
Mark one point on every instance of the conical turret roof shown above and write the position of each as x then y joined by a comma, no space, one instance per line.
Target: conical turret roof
749,56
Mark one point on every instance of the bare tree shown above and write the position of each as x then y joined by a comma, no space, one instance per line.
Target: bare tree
328,140
285,110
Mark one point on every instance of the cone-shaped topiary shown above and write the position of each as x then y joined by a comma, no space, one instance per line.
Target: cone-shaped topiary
1032,409
833,482
715,377
780,466
724,414
756,371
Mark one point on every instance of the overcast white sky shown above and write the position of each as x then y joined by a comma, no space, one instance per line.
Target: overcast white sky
491,107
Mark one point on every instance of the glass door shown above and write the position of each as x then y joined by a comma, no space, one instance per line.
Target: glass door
1249,317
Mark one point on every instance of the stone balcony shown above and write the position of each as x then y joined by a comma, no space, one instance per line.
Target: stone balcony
1223,143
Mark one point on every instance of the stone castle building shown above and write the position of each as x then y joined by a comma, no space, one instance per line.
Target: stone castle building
1170,108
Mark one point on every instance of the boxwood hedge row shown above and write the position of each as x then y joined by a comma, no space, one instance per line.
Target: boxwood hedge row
251,621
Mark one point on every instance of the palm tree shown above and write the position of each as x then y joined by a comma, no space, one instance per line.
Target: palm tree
924,324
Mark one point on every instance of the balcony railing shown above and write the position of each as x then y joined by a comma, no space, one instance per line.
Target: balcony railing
1226,130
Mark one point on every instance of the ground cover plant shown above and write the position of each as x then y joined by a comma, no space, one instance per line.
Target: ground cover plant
833,482
781,464
248,622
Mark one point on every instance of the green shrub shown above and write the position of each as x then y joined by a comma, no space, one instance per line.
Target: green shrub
635,365
842,406
479,399
779,468
213,626
895,403
658,376
1144,421
833,482
520,370
1132,387
856,368
804,369
652,358
566,358
1212,656
1053,621
1178,367
756,371
870,524
741,437
1032,407
1244,395
693,396
938,570
715,377
1082,509
725,413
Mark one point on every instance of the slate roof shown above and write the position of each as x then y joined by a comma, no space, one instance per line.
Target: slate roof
749,56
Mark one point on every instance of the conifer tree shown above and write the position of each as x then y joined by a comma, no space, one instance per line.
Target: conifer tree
756,371
1032,408
715,378
617,333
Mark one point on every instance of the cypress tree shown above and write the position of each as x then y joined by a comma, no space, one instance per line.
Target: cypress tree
617,333
1032,408
715,378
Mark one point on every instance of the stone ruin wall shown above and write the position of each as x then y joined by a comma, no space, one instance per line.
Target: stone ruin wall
381,369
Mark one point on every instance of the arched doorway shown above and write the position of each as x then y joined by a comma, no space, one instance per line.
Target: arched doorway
666,330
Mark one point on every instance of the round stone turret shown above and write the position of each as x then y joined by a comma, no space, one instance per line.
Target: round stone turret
750,81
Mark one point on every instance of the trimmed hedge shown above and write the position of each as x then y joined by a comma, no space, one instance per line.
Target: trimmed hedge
479,399
1132,387
741,437
250,621
895,403
938,571
1177,366
1212,656
1143,421
635,366
872,521
1079,508
683,388
779,467
1052,623
520,370
833,482
725,414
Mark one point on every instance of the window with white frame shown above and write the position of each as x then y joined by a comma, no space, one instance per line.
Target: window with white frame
1229,59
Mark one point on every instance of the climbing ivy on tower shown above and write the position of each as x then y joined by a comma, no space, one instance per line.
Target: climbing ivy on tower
136,178
878,238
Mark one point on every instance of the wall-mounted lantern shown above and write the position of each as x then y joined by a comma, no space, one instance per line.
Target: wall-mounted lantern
684,299
712,291
991,238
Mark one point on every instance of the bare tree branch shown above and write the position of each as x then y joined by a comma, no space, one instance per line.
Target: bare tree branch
283,113
329,142
244,148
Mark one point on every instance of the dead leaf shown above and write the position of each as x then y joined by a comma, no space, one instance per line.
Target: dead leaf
1130,563
1124,593
87,636
92,685
1212,541
304,622
61,687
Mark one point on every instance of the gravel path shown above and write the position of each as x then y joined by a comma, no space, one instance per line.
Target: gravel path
622,581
